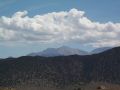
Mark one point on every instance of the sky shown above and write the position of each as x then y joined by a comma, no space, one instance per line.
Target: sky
33,25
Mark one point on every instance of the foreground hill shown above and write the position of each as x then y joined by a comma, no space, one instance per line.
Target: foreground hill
61,71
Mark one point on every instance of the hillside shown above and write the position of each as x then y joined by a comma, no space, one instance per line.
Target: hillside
61,71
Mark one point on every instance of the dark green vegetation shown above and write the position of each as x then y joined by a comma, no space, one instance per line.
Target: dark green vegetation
63,72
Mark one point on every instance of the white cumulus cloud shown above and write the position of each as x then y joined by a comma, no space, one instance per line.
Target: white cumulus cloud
65,26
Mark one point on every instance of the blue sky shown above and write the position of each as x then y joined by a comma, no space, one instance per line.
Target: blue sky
101,11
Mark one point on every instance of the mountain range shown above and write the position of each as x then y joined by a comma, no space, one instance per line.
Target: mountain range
61,51
66,51
60,71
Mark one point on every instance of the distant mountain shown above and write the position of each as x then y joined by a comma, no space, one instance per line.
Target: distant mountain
60,71
61,51
100,50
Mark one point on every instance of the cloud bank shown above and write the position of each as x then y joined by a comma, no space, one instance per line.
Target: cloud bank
65,26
